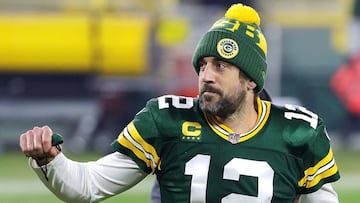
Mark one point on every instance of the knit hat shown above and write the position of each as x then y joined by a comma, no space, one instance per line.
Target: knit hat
237,39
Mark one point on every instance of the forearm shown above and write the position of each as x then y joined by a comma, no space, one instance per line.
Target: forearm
89,182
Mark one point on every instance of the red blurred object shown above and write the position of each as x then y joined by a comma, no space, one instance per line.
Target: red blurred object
346,84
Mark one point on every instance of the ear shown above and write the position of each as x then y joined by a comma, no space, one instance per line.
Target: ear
252,85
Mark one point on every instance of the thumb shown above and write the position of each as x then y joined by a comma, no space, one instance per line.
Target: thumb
54,151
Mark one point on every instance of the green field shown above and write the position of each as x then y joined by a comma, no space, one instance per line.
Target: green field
19,184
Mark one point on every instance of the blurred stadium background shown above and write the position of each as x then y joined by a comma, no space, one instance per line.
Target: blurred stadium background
85,67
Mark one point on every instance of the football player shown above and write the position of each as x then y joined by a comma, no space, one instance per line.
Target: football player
227,145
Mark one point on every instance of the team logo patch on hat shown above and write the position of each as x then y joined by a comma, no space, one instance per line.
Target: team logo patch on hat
227,48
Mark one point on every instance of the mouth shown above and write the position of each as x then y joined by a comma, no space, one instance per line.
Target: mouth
208,94
207,90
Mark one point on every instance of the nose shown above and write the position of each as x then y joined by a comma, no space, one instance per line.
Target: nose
207,74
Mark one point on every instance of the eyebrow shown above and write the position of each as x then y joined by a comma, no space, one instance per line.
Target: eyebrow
216,59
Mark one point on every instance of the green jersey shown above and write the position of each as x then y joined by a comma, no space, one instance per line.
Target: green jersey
198,159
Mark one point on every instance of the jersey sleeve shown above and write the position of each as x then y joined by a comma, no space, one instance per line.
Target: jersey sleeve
318,162
137,139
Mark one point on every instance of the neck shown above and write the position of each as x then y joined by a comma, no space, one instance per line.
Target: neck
244,118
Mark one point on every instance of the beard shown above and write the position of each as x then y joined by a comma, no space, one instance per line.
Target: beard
223,107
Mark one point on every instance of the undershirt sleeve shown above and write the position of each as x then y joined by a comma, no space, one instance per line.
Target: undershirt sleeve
326,194
73,181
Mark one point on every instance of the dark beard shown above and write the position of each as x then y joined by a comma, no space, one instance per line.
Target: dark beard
223,108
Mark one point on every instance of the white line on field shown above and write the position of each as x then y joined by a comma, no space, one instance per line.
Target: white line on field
19,186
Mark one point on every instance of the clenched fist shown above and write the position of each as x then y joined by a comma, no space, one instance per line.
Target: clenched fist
36,143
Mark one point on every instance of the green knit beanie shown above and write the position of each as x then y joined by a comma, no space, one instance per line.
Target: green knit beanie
236,39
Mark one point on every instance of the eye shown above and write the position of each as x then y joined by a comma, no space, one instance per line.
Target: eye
221,65
201,65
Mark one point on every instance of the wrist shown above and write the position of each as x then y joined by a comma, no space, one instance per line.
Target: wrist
41,161
44,160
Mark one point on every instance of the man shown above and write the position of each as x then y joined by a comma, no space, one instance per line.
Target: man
227,145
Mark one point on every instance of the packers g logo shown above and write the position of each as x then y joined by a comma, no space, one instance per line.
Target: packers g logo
227,48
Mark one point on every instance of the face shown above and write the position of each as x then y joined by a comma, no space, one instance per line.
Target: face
222,87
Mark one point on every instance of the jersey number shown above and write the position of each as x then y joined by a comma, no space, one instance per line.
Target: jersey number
305,115
176,101
198,168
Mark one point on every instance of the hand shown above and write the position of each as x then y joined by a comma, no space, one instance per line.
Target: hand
36,143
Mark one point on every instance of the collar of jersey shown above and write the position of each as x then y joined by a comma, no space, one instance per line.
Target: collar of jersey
224,131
